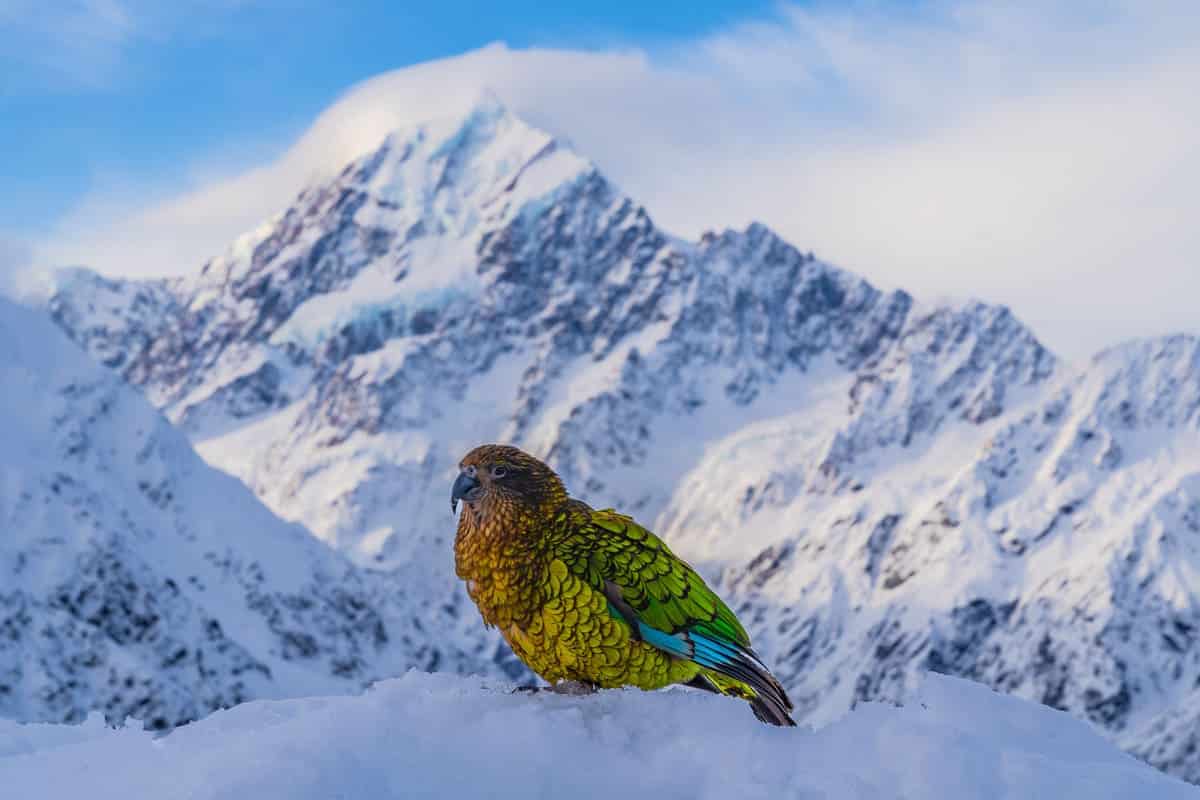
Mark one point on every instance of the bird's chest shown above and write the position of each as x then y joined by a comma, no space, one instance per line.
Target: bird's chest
504,575
571,635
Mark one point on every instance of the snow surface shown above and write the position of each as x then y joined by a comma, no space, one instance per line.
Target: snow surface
438,736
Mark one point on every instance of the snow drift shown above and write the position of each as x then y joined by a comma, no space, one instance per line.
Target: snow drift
438,736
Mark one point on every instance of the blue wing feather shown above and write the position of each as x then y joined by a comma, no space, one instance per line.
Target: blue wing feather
771,702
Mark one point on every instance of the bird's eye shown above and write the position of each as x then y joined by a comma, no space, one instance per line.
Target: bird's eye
499,471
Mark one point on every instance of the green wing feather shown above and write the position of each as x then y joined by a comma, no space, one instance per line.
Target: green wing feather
648,585
661,588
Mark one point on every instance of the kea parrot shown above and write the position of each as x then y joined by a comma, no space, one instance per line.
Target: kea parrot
590,599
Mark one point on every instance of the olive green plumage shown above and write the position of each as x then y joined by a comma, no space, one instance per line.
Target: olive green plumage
592,596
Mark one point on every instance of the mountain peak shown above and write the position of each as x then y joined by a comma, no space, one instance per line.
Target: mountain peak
468,161
395,228
480,119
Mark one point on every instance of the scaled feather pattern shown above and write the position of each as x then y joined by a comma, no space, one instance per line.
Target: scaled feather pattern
592,597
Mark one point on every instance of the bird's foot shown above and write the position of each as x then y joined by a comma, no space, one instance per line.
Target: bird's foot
530,689
573,688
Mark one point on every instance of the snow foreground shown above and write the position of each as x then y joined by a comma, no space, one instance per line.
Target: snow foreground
437,735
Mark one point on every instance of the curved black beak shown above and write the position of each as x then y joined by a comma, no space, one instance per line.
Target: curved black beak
463,485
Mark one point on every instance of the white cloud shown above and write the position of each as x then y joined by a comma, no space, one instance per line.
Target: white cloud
16,256
1039,158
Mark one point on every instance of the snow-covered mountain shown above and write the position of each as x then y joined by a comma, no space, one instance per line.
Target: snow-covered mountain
139,581
882,487
1055,555
474,279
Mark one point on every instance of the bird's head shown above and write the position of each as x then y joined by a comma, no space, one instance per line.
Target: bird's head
497,472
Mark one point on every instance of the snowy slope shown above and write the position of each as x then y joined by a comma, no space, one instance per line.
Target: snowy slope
140,581
434,736
1058,559
881,487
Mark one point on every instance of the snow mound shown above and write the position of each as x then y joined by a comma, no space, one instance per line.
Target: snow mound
436,735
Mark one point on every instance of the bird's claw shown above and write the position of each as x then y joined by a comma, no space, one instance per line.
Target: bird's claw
573,688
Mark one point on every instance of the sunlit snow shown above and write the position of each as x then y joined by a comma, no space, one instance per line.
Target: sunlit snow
437,736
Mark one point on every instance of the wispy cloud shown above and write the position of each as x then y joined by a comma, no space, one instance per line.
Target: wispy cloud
84,43
1038,157
76,42
15,257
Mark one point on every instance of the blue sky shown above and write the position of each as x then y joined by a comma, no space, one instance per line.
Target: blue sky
1040,155
121,99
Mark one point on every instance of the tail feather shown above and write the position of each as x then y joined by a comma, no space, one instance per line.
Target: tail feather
772,713
736,670
730,669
